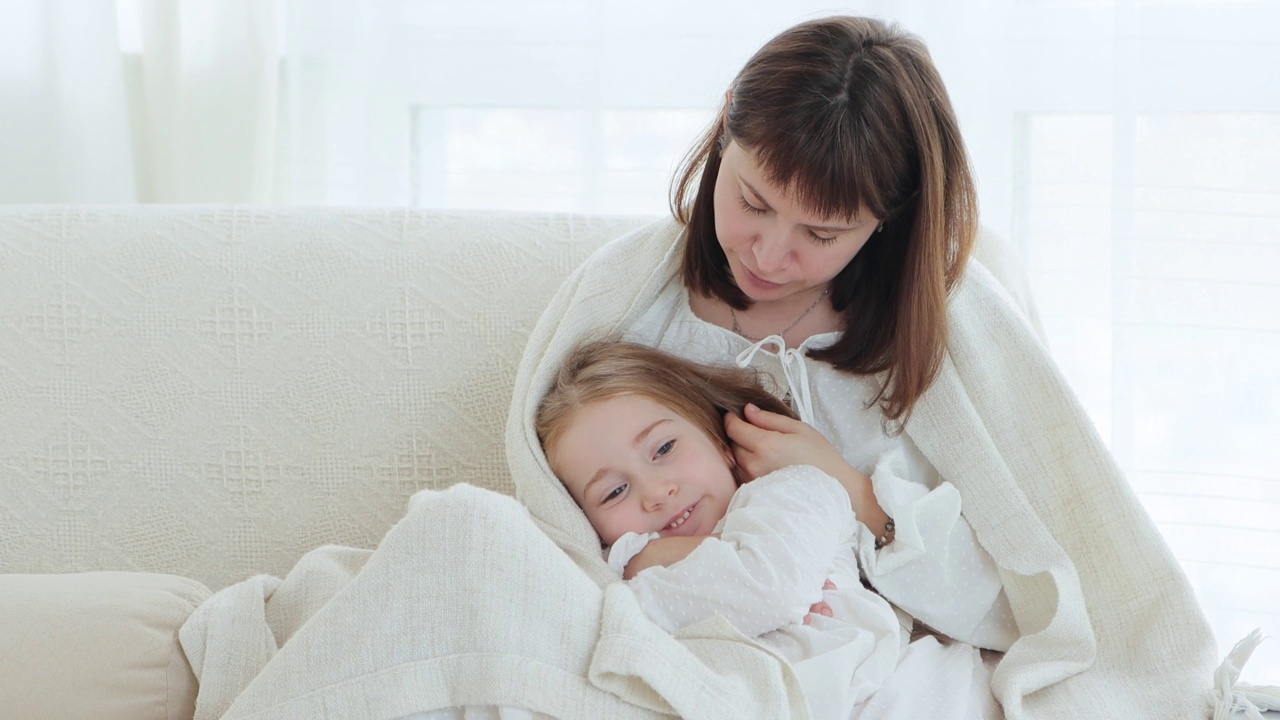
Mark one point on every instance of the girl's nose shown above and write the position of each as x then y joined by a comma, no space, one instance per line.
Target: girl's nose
660,493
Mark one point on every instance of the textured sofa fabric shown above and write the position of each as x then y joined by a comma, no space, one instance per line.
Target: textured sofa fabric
213,391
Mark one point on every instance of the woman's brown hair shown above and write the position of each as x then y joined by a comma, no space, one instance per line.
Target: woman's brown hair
849,115
604,369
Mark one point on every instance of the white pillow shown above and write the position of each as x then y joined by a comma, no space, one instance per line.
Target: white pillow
96,645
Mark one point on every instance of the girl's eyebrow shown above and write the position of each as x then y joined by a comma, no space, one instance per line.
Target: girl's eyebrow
640,436
755,195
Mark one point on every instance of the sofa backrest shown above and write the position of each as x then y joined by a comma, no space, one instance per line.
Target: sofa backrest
213,391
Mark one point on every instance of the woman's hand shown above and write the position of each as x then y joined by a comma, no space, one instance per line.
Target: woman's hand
663,551
767,441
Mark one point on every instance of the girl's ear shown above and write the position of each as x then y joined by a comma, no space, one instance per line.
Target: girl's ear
722,440
732,462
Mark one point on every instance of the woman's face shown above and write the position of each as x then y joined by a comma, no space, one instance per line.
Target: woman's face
777,249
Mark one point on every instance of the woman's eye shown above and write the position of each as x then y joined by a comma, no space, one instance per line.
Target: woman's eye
614,493
820,239
666,448
750,208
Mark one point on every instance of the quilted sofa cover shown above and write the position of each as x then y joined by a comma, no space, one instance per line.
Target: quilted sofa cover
213,391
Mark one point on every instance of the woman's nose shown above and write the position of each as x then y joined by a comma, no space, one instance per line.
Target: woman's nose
770,251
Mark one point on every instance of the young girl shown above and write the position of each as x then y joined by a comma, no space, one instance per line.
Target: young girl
639,439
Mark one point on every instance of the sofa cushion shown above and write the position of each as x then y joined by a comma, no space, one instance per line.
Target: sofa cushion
100,644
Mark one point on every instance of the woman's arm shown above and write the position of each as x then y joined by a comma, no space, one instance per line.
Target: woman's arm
935,569
932,566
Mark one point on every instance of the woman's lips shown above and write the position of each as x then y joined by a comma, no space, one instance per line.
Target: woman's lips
758,281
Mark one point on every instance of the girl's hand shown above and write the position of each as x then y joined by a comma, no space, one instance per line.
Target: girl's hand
821,607
767,441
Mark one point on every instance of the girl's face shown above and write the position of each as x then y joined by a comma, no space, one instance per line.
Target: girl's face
778,250
633,465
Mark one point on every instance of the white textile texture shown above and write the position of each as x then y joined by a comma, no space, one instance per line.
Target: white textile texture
214,391
465,603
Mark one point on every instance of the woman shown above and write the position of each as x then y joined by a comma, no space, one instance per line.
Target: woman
832,211
824,227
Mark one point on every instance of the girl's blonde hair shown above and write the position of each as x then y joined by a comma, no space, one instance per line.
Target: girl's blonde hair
701,394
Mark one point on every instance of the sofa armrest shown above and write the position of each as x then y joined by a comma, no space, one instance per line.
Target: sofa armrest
98,644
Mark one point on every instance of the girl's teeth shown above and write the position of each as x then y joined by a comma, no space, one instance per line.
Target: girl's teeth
680,520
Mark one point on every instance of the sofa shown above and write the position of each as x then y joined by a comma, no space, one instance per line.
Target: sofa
190,396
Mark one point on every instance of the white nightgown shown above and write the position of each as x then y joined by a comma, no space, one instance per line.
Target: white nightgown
783,535
934,570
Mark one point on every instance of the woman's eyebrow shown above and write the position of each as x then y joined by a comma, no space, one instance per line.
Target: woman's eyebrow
835,229
755,195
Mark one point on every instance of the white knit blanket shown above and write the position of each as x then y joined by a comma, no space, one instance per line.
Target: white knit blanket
469,601
464,603
1109,625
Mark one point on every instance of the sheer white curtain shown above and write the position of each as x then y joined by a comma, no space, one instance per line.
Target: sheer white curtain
64,119
138,101
1130,148
204,96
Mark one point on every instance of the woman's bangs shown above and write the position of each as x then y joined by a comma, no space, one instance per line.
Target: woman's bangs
824,173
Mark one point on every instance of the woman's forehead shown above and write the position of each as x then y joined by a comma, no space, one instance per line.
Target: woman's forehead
760,181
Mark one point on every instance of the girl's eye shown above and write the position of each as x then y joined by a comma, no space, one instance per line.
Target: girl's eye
614,493
749,207
666,448
820,239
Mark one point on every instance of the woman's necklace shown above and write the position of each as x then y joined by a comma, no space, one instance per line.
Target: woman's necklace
738,328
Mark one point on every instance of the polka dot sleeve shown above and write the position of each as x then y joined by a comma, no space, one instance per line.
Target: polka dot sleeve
776,547
934,569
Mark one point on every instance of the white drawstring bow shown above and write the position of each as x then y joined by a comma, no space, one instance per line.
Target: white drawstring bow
794,369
